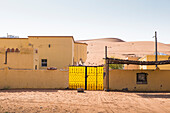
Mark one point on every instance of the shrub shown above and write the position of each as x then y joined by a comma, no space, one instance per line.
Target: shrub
116,66
5,88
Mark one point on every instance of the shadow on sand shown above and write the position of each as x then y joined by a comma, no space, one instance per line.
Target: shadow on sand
148,94
154,95
29,90
35,90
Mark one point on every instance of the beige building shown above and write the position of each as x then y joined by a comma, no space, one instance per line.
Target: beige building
152,58
40,52
148,58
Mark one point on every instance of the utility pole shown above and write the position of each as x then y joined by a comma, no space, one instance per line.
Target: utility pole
107,70
105,52
156,49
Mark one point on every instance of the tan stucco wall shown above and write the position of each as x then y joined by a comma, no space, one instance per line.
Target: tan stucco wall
33,79
35,60
14,43
25,59
119,79
80,52
60,54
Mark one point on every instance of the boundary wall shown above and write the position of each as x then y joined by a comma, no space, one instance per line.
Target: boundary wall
157,80
45,79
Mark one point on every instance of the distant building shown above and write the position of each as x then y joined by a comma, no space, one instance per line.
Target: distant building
152,58
12,36
148,58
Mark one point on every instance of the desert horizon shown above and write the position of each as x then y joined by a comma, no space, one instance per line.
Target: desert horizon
120,49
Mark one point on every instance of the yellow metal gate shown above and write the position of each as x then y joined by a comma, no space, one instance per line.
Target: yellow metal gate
99,78
76,77
89,78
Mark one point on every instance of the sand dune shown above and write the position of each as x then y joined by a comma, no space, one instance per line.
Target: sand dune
120,49
104,39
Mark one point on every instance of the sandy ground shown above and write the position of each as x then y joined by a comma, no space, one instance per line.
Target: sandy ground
120,49
89,102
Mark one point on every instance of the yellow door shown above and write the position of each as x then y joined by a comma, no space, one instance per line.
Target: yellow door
99,78
91,78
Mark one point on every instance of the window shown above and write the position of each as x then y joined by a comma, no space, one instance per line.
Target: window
36,51
141,78
35,67
43,62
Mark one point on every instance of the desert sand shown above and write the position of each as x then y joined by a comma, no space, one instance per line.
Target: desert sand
47,101
120,49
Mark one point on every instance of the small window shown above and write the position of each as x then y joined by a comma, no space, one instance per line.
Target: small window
44,62
142,78
36,51
35,67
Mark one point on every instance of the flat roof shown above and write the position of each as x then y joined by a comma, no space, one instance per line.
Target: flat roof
50,36
80,43
57,37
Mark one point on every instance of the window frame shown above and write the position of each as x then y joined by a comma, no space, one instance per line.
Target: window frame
43,62
145,81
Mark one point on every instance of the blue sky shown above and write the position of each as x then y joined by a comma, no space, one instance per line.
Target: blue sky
130,20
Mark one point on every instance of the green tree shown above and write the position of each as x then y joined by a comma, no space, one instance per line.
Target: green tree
116,66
